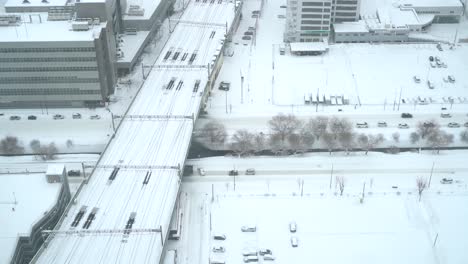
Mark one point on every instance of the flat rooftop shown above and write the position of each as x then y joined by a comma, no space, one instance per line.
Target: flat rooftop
24,198
431,3
149,6
358,27
35,3
48,31
397,18
308,46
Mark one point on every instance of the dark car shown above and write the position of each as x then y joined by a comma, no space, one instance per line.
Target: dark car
233,173
431,58
74,173
32,117
248,33
246,38
15,117
406,115
224,86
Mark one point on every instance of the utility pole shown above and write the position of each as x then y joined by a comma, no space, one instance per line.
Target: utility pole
331,175
399,99
430,177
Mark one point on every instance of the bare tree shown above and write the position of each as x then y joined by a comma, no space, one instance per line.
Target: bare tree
438,139
284,125
318,126
421,183
368,142
329,141
464,136
215,132
10,145
35,145
414,138
48,152
294,141
341,182
242,142
427,127
396,137
69,143
259,142
277,146
307,140
340,126
346,140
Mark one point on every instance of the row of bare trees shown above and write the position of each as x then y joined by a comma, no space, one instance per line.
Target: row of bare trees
10,145
288,135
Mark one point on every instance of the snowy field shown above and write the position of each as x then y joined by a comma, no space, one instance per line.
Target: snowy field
390,226
373,77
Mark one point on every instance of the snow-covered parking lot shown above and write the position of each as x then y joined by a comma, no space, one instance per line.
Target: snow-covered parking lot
389,226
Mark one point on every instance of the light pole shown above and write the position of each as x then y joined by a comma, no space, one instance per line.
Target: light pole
226,101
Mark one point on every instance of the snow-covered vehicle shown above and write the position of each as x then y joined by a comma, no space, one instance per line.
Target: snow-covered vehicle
268,257
446,181
362,125
265,251
292,227
453,125
219,237
251,259
95,117
250,172
248,228
249,252
382,124
403,125
57,117
294,242
218,249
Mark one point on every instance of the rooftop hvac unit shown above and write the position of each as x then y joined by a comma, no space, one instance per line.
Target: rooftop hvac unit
80,25
96,21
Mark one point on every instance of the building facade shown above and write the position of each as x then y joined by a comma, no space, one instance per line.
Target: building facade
310,20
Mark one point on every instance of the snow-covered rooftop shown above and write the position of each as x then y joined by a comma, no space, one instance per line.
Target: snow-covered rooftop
34,3
24,200
149,7
148,148
358,26
431,3
308,46
55,169
42,30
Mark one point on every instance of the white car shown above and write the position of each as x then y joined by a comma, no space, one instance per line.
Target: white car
249,252
362,125
453,125
268,257
403,125
248,228
416,79
292,227
446,181
251,259
265,251
294,242
218,249
94,117
430,85
56,117
382,124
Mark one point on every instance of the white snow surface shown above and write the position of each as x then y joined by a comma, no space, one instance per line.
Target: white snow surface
154,136
390,226
24,198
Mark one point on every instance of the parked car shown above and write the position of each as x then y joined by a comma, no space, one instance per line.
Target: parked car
15,117
445,115
265,251
224,86
217,261
251,28
416,79
281,16
268,257
76,116
246,38
282,6
233,173
32,117
446,181
249,252
406,115
250,259
250,172
219,237
451,78
94,117
201,172
74,173
218,249
431,58
439,47
362,125
382,124
430,85
403,125
453,125
58,117
466,124
292,227
294,242
248,228
248,33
